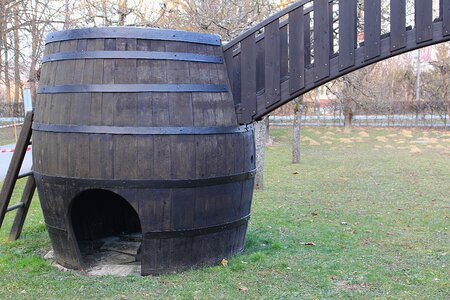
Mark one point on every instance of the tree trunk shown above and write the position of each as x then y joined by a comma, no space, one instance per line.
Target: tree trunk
35,41
17,79
260,143
67,15
296,130
123,8
348,116
318,96
7,78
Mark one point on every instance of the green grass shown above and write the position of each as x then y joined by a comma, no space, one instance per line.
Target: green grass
375,203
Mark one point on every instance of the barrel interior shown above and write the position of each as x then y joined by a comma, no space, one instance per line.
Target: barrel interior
106,228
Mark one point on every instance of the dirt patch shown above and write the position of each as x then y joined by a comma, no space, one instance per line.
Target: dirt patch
440,147
346,141
328,142
330,133
381,139
324,137
431,140
406,133
414,149
343,285
392,135
311,141
363,134
389,147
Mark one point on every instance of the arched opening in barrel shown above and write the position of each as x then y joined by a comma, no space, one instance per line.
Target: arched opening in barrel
107,229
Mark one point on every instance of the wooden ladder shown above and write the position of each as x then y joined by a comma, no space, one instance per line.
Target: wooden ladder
10,182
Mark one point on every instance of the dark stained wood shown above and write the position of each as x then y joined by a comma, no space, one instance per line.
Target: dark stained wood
14,167
424,20
375,46
296,50
71,165
372,28
347,33
22,212
321,39
272,46
445,13
398,24
248,71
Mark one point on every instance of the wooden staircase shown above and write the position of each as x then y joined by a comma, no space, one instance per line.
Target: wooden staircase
11,179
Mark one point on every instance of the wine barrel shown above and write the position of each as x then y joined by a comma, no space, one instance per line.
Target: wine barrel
146,116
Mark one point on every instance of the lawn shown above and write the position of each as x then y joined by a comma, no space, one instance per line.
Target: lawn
365,215
7,135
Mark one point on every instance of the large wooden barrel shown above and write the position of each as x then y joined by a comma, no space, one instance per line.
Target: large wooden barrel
143,115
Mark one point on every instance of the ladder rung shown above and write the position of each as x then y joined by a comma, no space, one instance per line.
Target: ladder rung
24,175
16,206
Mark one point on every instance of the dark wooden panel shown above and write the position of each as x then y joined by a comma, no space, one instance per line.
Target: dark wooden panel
321,39
445,12
248,71
398,24
236,85
347,33
272,46
228,55
372,28
296,50
424,16
284,53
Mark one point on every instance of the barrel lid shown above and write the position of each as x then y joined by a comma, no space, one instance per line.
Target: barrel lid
134,33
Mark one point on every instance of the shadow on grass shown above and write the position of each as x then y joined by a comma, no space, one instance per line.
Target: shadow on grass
260,241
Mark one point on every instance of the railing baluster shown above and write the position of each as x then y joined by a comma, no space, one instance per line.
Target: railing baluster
445,10
296,50
230,61
272,63
372,28
321,39
236,84
347,33
424,20
248,72
398,24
